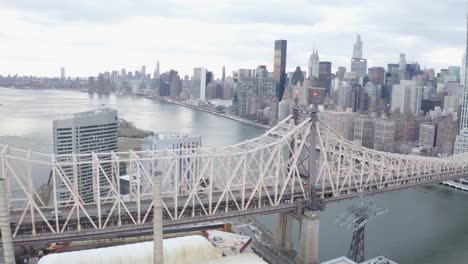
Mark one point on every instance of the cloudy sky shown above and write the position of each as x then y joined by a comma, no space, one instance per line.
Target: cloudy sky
90,36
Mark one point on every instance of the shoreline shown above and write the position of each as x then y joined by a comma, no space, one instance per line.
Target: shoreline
231,117
235,118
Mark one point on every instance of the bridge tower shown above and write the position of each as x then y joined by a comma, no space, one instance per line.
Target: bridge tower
310,221
158,257
282,232
5,228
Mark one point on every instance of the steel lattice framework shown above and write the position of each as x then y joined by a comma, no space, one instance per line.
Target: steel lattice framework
263,175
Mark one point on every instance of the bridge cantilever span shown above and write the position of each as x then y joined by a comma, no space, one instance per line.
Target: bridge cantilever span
197,183
264,175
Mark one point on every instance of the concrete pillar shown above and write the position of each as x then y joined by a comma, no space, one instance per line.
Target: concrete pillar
282,232
158,220
7,238
309,238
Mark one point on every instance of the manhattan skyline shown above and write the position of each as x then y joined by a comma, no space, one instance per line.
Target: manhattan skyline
87,37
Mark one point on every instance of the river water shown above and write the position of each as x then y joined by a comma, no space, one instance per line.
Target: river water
423,225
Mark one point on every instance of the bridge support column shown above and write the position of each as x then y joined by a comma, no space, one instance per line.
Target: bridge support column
7,238
157,220
282,232
309,238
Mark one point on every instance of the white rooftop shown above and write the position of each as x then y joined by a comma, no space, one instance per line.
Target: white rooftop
340,260
180,250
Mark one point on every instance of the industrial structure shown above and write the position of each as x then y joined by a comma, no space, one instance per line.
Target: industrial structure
280,171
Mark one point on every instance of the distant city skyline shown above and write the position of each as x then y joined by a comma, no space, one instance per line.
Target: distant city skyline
43,36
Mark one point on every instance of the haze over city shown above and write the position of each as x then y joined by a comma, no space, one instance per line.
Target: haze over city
87,37
217,132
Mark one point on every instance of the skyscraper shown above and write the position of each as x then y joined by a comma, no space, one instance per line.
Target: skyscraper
62,73
461,143
358,64
223,77
199,83
357,48
143,71
156,71
377,75
279,67
324,80
314,64
86,132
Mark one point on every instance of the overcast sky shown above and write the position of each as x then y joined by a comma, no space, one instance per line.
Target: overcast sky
37,37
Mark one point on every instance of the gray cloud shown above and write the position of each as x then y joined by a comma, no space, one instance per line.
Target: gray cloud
388,27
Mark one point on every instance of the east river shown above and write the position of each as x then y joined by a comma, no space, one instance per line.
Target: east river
423,225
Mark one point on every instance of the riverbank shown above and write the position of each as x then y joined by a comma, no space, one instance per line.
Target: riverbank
164,99
232,117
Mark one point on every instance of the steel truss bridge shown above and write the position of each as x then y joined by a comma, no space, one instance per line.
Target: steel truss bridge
268,174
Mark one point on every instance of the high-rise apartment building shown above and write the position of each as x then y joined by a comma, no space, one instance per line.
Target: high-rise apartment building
427,135
279,67
364,131
384,134
86,132
341,122
446,134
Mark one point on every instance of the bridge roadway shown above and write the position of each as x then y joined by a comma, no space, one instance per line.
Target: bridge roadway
190,217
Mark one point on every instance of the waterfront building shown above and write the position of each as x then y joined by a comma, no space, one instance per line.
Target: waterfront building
175,85
84,133
199,83
384,134
246,86
364,131
279,67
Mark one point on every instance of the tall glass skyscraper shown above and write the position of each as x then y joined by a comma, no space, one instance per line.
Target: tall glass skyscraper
279,67
461,142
